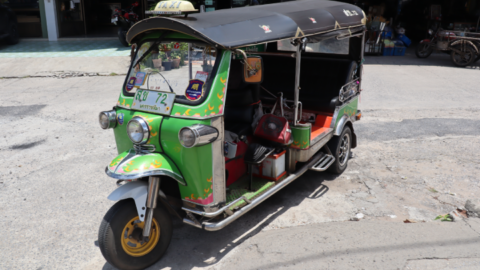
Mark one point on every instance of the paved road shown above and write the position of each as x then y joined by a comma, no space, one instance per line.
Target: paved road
417,157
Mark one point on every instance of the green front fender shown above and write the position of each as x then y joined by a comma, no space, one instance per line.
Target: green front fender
129,165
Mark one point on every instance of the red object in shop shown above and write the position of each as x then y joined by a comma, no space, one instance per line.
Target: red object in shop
237,167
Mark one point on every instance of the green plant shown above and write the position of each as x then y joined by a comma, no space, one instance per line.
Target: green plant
446,217
433,190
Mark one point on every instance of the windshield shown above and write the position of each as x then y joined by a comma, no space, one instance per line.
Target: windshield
184,68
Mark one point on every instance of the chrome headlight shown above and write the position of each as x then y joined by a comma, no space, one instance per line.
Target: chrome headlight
137,130
197,135
107,119
430,31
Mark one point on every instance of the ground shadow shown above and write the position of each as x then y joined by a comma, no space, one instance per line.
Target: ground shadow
436,59
192,247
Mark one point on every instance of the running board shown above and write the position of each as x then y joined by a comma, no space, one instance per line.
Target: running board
323,164
215,226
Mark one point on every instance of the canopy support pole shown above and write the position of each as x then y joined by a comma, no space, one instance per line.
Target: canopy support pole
297,82
189,60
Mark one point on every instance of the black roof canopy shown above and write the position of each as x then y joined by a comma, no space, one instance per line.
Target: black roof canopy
239,27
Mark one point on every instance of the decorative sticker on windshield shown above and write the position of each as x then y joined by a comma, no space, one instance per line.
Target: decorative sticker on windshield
266,28
194,90
131,83
201,75
140,78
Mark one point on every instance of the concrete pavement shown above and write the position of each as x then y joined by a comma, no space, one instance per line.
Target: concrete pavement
417,158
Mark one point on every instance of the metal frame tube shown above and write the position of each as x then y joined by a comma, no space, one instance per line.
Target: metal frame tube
189,61
297,82
153,186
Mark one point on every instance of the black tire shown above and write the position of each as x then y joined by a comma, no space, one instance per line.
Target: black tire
12,37
122,36
423,50
111,230
340,153
468,57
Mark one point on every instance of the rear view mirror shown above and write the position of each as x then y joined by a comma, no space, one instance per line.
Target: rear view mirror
253,69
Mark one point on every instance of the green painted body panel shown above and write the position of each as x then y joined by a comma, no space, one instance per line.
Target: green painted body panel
213,104
129,164
350,109
195,163
123,141
301,137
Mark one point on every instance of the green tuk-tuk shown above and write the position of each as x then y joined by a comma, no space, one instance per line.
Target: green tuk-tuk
202,96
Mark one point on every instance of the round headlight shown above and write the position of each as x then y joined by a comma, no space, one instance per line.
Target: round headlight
187,137
137,130
197,135
107,119
430,31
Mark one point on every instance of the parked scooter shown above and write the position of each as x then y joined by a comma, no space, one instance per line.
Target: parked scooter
124,19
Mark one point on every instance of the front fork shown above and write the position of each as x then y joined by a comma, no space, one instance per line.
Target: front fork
152,196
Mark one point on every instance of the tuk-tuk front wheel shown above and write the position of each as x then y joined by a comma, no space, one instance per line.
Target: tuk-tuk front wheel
340,147
121,236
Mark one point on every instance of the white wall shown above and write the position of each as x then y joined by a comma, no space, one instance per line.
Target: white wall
52,25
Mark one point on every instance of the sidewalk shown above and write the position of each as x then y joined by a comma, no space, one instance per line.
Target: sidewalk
43,58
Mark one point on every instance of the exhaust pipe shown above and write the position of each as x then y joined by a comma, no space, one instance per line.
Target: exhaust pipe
208,226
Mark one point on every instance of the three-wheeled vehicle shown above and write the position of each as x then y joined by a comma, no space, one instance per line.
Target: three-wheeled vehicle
273,93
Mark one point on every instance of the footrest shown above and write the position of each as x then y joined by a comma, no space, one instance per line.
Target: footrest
323,163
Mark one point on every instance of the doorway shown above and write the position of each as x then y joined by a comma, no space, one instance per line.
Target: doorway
92,18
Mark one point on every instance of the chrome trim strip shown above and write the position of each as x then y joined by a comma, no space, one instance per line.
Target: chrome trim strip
305,155
218,154
208,226
320,136
219,211
164,172
343,121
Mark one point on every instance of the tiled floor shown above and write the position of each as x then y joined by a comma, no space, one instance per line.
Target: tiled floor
80,48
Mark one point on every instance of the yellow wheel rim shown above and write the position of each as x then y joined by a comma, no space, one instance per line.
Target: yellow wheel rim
130,235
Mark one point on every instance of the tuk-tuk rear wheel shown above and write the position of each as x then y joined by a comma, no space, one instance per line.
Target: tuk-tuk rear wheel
340,146
120,236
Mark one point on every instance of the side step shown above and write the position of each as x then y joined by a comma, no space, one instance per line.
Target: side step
323,164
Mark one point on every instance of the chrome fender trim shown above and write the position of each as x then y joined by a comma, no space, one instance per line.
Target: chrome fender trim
137,190
341,123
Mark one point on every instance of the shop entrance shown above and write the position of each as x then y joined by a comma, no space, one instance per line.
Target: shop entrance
91,18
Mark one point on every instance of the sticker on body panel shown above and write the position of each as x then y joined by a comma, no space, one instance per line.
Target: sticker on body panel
152,101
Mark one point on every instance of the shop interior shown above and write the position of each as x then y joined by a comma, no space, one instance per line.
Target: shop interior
91,18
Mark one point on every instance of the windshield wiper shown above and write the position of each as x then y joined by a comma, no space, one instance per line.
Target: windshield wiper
156,43
171,90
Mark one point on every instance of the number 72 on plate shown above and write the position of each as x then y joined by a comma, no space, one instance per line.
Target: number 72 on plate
152,101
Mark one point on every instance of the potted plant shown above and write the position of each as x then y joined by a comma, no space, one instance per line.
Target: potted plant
157,63
166,59
176,61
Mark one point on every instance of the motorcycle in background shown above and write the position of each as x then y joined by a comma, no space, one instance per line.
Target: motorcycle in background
124,19
463,47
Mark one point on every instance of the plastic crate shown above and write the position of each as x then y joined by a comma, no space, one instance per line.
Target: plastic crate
399,50
387,51
405,40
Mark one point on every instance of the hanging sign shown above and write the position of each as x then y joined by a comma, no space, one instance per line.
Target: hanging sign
194,90
140,80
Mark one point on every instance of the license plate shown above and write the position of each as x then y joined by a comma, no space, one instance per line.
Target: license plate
114,20
153,101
